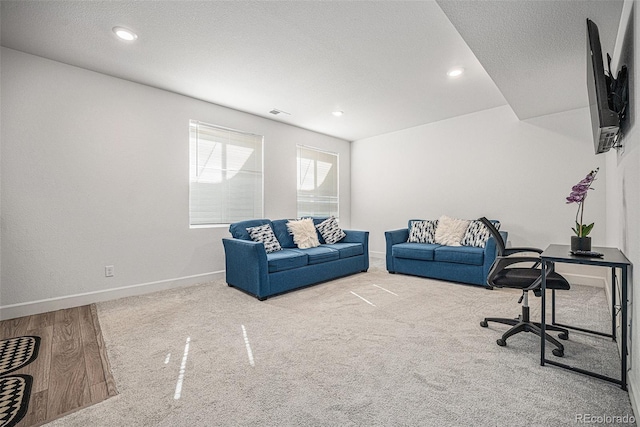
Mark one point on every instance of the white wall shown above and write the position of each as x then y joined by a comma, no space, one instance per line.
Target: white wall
482,164
94,172
623,187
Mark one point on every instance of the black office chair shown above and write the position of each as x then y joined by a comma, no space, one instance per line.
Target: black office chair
502,275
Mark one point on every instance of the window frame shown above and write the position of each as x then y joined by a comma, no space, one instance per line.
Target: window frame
225,223
337,180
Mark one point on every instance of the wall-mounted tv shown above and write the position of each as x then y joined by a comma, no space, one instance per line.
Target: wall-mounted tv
605,122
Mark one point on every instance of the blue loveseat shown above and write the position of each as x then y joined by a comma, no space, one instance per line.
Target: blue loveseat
464,264
250,268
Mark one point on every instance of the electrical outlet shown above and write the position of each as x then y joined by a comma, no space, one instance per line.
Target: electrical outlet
108,271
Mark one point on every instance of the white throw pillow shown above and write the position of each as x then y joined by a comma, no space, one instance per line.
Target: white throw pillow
304,233
450,231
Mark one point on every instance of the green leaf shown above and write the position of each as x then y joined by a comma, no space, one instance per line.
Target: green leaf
575,231
586,229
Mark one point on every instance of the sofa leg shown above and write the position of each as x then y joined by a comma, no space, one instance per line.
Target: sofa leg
392,272
262,298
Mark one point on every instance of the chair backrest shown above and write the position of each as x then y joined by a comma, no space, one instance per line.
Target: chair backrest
500,247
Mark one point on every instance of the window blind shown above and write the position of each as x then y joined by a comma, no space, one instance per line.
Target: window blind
225,175
317,182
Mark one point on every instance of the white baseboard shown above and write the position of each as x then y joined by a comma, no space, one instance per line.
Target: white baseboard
581,279
377,255
52,304
633,396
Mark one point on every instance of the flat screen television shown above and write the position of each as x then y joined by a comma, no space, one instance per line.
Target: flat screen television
605,122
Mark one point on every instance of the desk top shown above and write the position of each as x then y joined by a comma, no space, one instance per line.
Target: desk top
613,257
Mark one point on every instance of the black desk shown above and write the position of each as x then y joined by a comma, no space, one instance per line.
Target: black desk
612,258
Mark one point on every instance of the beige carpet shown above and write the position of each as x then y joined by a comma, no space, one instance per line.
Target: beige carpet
373,349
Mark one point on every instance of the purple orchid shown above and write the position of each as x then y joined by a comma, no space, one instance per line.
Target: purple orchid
578,195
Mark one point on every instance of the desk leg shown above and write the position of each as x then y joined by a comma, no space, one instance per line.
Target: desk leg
613,303
623,326
543,289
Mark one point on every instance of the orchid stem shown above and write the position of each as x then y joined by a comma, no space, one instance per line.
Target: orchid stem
581,214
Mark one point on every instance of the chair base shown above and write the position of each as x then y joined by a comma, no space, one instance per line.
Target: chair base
521,324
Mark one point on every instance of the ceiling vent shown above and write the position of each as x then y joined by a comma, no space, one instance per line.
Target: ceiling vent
275,112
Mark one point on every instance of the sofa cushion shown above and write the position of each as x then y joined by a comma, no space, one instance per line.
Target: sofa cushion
286,259
238,230
423,231
264,234
450,231
423,251
347,250
330,231
459,255
321,254
282,233
477,234
304,233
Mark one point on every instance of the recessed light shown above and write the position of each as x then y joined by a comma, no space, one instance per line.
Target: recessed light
455,72
338,113
125,34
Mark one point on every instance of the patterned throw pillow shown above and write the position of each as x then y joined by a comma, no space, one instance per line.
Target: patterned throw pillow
477,234
331,231
264,234
304,233
450,231
423,231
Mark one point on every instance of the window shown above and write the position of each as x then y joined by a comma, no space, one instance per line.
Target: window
225,175
317,182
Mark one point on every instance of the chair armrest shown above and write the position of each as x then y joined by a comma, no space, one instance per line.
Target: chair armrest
393,237
246,266
512,251
509,251
505,261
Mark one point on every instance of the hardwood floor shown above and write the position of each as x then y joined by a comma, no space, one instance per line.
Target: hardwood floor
72,370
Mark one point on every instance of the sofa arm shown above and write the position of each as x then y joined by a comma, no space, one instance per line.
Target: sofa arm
490,253
355,236
393,237
246,266
358,236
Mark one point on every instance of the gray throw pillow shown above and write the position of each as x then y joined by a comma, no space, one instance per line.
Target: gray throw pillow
477,234
331,231
264,234
423,231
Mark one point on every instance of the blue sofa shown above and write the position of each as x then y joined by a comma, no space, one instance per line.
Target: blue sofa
250,268
463,264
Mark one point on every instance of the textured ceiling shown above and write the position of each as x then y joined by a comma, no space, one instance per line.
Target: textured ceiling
383,63
535,51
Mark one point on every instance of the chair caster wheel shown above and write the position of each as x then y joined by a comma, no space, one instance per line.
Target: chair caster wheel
501,342
557,352
563,335
484,324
